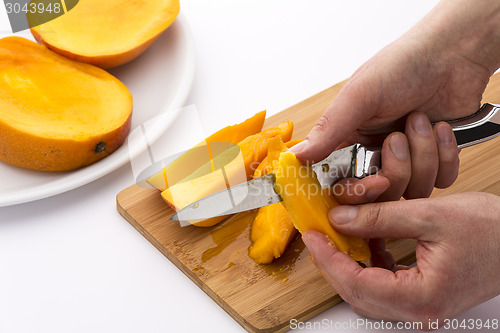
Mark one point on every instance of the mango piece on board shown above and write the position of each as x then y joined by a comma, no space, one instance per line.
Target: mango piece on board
272,229
205,151
238,170
264,167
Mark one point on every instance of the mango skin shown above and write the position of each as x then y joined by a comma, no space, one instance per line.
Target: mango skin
107,33
44,154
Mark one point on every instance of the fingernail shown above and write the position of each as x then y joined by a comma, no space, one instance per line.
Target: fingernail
299,146
343,214
421,124
444,135
306,238
399,146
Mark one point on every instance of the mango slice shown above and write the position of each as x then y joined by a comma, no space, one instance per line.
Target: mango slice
265,167
57,114
197,156
106,33
308,205
272,230
240,169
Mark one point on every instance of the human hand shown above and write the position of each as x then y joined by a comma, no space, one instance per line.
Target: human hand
457,257
435,69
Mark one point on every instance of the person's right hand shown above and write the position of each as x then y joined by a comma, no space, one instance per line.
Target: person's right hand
438,70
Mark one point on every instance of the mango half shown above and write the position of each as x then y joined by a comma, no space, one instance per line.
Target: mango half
57,114
106,33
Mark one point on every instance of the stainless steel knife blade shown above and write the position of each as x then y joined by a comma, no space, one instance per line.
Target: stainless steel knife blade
353,161
250,195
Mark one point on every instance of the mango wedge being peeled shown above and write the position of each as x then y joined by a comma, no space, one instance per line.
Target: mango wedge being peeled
106,33
236,169
57,114
308,205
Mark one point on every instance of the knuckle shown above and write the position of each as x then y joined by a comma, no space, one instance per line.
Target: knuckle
374,216
323,123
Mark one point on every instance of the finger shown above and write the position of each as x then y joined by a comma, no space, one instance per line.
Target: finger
380,256
354,191
317,244
377,286
448,155
424,156
340,119
394,219
388,184
396,166
380,313
383,313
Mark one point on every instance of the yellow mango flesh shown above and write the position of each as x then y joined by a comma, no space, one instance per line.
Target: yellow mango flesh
204,151
308,205
106,33
272,230
265,167
186,192
57,114
201,184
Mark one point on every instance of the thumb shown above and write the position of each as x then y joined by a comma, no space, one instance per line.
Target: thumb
393,219
344,115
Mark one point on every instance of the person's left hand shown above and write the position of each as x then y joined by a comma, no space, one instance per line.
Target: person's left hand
458,241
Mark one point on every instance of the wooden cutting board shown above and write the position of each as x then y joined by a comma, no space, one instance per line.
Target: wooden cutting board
264,298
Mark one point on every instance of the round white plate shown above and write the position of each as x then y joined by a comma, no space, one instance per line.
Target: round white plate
159,80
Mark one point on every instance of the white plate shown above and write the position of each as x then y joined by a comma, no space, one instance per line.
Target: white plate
159,80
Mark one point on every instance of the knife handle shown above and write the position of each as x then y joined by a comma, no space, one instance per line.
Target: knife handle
482,126
479,127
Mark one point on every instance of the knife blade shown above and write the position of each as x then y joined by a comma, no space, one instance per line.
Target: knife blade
356,161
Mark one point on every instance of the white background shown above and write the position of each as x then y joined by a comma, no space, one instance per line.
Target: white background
71,263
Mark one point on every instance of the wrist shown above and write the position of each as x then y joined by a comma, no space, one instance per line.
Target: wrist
464,28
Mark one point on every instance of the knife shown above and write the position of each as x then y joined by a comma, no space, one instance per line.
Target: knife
356,161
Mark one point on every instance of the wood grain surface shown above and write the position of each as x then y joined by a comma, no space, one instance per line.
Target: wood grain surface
264,298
